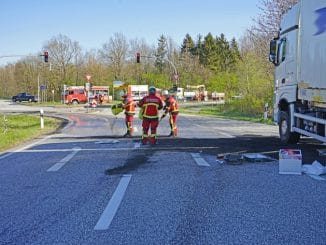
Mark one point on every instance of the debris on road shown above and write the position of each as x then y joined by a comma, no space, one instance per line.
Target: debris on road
315,168
290,161
236,158
257,157
233,159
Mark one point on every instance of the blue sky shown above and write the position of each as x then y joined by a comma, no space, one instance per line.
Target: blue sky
27,24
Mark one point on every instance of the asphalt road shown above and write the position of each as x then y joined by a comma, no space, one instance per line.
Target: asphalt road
87,185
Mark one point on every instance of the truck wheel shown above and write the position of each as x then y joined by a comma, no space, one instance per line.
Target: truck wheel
29,100
284,130
75,102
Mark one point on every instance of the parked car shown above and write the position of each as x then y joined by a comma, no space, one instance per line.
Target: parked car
24,97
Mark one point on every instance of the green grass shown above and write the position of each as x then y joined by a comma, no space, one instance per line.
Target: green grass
228,112
18,129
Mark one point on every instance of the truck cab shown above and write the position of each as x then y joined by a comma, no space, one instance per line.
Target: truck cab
298,53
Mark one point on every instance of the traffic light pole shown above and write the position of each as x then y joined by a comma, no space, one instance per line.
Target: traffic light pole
38,87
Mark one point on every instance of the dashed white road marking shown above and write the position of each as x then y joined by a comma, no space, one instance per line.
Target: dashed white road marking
109,212
64,160
26,147
136,145
199,160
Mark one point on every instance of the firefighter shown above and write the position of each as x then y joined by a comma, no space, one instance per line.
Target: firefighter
94,103
150,106
129,105
171,108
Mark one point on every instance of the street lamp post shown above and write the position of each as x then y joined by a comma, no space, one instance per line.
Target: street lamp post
175,75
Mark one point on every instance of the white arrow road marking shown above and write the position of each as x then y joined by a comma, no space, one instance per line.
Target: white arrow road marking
109,212
199,160
64,160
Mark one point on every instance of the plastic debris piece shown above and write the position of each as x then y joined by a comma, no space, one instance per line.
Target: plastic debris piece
315,168
257,157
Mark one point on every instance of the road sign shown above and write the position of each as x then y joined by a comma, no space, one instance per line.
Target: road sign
88,77
117,84
43,87
175,77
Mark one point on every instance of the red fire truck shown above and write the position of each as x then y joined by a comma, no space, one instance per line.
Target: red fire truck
75,95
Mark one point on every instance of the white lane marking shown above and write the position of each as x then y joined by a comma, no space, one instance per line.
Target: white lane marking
199,160
136,145
107,142
227,135
64,160
127,148
26,147
109,212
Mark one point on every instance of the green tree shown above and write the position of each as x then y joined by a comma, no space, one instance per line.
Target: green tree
161,52
209,57
188,45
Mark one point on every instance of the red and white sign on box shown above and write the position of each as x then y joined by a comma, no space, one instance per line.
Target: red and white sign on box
290,161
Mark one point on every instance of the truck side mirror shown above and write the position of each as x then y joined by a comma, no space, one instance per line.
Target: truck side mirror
273,51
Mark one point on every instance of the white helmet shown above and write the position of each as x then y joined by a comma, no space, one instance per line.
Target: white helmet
165,92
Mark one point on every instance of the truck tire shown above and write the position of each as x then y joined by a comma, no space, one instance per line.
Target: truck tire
74,102
29,100
286,135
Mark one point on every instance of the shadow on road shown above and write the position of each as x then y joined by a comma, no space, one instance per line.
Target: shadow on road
269,146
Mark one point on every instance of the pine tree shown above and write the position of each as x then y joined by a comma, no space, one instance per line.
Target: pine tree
209,58
199,49
235,49
188,45
161,53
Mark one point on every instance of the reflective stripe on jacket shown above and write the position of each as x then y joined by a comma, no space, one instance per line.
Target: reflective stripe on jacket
151,105
129,106
171,106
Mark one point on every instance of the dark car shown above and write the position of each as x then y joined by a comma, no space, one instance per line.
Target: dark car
24,97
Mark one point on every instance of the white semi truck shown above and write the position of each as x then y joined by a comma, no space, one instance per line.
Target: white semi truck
299,56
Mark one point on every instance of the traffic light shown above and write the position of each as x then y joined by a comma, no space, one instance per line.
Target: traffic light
138,57
46,56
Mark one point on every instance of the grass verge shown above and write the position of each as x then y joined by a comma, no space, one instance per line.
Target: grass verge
20,128
224,111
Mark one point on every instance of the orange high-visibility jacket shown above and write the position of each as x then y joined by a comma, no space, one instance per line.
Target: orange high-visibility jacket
151,104
171,106
129,106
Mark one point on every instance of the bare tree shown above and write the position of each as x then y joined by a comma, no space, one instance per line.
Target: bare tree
267,24
115,52
62,52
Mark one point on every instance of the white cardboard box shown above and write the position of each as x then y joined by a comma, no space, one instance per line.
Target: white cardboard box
290,161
